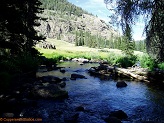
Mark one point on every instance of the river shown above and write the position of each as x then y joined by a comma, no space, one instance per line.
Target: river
99,97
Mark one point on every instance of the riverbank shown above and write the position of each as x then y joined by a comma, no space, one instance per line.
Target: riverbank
134,73
67,51
83,97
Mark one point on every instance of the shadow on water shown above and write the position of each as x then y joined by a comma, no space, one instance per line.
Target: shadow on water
99,98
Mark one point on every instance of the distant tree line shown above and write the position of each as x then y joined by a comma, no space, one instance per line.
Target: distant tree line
84,38
140,45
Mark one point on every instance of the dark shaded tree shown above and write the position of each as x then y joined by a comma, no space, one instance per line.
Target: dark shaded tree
153,12
17,25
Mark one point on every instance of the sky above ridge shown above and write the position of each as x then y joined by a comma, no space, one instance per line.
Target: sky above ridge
98,7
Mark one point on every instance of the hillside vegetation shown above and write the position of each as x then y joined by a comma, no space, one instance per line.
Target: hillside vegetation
63,7
70,23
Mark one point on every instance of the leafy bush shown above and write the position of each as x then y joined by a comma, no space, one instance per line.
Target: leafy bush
112,58
126,61
147,62
161,66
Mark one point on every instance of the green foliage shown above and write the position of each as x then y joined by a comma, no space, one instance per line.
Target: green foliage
63,7
126,61
112,58
147,62
127,46
130,12
161,66
140,45
18,19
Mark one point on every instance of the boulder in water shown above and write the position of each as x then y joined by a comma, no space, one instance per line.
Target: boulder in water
118,114
62,71
121,84
72,119
51,79
62,84
50,91
112,120
79,108
75,76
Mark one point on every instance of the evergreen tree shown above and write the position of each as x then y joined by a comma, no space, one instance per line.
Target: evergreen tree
76,39
17,24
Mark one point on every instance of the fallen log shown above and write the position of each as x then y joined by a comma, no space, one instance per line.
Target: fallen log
129,73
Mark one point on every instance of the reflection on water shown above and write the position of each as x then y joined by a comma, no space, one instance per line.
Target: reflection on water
99,97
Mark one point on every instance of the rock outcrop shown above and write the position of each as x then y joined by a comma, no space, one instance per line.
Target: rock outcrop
64,27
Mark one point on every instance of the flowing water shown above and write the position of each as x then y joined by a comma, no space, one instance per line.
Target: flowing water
99,97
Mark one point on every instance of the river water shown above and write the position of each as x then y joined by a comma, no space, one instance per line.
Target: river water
99,97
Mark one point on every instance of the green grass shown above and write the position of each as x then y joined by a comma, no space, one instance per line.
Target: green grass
67,50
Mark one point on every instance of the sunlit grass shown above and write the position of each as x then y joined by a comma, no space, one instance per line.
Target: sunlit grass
65,50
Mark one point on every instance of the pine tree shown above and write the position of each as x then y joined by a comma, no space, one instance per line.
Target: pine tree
76,39
19,21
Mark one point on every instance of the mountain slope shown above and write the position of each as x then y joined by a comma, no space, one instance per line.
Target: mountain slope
68,22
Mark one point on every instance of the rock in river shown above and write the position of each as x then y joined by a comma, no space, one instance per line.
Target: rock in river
118,114
51,79
79,108
112,120
50,91
75,76
121,84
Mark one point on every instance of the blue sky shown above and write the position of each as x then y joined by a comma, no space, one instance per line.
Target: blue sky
97,7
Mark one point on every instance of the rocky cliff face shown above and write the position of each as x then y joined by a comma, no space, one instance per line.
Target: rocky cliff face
65,27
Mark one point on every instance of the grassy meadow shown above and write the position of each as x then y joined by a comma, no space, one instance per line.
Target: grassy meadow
68,50
65,50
